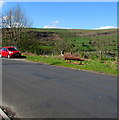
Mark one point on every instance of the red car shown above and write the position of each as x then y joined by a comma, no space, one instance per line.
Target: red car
9,52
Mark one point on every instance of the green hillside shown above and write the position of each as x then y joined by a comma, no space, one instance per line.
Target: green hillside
86,43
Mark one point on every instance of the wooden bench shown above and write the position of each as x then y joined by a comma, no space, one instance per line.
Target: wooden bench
74,58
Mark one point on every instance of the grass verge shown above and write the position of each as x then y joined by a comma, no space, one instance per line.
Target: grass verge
108,67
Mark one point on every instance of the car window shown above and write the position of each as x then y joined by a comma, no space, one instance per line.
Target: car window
12,49
4,49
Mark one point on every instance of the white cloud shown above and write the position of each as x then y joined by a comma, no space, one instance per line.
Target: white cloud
49,26
55,21
106,27
13,25
55,27
6,17
1,3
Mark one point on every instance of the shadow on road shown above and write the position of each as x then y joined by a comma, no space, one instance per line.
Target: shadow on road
21,57
18,61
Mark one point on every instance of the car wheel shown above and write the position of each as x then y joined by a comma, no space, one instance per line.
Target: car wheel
0,56
8,56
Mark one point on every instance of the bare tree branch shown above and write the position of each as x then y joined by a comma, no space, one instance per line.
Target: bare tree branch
14,22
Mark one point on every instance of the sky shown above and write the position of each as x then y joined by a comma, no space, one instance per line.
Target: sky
69,15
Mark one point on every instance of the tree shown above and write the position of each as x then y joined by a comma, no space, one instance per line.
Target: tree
105,45
61,46
14,22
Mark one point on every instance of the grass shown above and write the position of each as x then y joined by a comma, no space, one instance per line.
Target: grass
89,65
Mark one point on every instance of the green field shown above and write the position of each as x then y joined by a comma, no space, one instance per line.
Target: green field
82,40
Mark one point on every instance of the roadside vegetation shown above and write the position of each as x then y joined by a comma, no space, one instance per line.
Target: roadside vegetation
107,67
99,48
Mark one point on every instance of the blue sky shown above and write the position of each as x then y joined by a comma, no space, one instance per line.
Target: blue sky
74,15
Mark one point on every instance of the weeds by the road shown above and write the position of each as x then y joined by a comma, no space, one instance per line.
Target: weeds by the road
107,67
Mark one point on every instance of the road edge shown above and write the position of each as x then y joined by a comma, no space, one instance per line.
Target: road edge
4,116
100,73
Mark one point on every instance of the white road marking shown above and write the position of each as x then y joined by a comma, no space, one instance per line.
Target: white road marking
4,115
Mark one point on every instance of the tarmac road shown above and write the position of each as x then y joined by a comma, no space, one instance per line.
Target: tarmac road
34,90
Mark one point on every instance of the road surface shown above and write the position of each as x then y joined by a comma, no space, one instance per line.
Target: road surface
34,90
